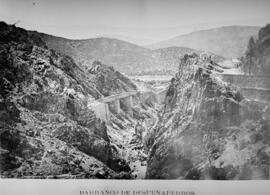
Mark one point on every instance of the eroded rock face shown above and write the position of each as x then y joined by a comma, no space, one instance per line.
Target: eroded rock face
46,127
208,130
108,81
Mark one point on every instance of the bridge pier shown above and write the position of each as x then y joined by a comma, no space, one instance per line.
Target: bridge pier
130,101
101,110
125,101
130,104
115,106
126,104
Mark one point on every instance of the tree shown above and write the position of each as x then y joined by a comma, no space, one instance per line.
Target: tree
250,53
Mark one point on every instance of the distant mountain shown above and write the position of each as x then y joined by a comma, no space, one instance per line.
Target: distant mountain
123,56
137,41
229,41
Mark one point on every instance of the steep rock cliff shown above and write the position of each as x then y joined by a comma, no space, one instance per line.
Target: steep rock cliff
208,130
46,126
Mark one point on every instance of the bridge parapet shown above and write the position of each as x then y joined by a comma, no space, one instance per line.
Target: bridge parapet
123,101
118,96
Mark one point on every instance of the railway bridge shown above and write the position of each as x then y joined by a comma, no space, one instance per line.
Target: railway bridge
124,101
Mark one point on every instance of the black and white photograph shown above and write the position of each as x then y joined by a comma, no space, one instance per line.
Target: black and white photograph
134,90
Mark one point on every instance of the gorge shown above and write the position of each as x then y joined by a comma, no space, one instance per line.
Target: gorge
65,114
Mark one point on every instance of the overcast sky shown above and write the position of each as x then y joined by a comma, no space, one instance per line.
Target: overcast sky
150,19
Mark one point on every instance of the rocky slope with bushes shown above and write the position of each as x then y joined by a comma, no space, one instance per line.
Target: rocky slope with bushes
208,130
47,129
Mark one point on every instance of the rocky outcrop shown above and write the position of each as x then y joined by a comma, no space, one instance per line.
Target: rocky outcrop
208,130
107,80
46,126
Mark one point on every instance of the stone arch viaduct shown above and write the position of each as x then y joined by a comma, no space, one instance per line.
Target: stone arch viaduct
124,101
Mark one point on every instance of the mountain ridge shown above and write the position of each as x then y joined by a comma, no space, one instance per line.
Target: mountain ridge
234,39
125,57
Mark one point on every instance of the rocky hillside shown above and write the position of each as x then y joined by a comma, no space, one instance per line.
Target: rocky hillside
170,56
119,54
208,130
229,42
257,57
108,81
123,56
47,129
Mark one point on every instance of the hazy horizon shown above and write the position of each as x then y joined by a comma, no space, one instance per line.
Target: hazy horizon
145,21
